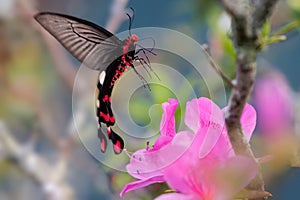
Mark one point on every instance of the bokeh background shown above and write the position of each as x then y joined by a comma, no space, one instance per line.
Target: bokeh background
41,156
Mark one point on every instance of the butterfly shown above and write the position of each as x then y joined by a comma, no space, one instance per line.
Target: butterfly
99,50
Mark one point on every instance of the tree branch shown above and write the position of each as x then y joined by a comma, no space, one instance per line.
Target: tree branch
216,67
248,17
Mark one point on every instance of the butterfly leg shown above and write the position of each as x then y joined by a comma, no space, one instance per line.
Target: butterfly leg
141,61
146,85
144,62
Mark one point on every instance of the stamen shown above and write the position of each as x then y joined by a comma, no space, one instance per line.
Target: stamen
127,153
131,156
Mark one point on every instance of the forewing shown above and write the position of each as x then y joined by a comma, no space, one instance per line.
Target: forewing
89,43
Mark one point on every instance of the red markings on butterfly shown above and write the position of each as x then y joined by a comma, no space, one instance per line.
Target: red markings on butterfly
103,145
107,117
106,98
117,147
133,39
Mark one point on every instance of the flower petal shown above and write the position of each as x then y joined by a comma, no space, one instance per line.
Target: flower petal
141,183
239,170
222,149
248,121
212,135
205,116
144,164
175,175
192,114
176,196
167,124
160,142
275,117
211,178
223,146
200,112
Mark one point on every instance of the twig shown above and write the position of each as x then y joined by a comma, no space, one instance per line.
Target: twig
295,160
265,159
216,66
248,17
250,194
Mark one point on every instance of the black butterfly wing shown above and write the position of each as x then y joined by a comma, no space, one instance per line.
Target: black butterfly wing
89,43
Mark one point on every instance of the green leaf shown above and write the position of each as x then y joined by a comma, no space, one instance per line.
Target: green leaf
287,28
272,40
277,36
265,32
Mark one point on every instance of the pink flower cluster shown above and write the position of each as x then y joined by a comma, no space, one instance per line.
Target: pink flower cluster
199,165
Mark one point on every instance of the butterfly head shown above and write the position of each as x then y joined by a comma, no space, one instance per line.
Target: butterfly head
129,47
134,39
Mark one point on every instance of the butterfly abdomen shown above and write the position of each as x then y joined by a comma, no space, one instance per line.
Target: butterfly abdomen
106,82
104,112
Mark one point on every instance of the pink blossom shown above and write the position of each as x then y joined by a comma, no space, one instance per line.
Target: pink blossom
167,125
184,153
143,164
209,179
273,101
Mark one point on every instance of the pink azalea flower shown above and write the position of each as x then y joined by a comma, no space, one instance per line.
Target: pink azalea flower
209,178
273,100
143,164
185,150
167,125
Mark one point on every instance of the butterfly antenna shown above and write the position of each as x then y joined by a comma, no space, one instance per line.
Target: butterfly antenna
144,81
133,13
131,18
153,46
130,22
